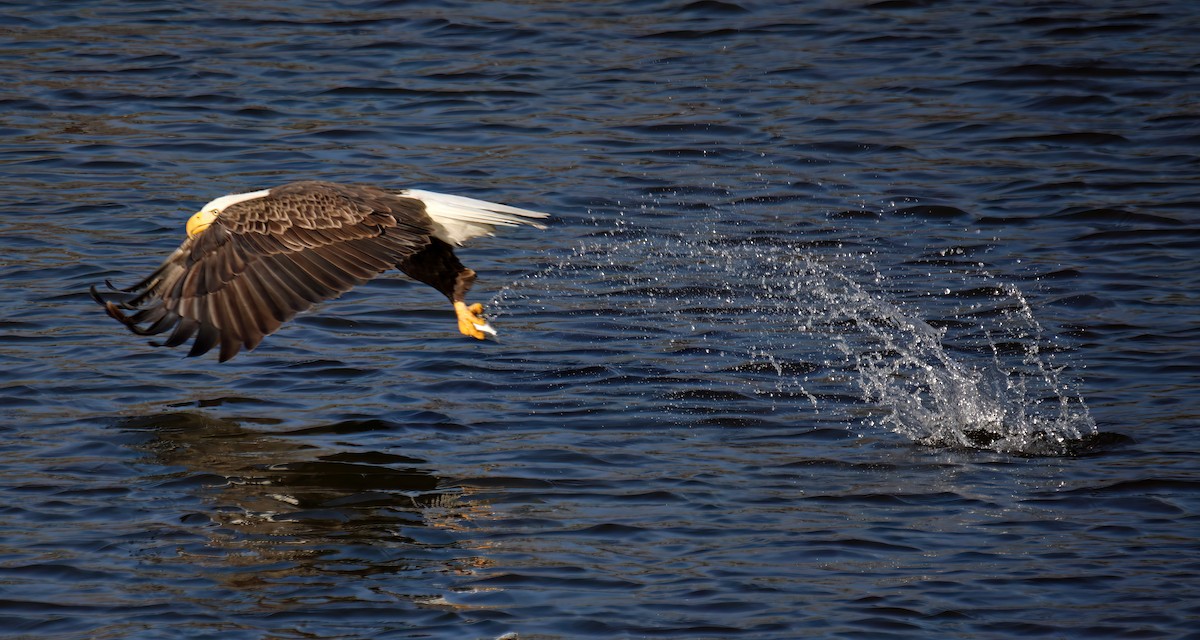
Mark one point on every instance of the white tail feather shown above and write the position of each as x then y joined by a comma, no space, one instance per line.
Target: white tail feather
459,219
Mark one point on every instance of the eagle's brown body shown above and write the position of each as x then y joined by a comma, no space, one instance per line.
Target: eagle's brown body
271,254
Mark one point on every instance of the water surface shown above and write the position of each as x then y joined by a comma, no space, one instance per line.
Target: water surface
854,320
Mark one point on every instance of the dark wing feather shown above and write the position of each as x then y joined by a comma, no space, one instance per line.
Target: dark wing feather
263,261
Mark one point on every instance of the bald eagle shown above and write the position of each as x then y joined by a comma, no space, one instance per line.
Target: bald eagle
253,260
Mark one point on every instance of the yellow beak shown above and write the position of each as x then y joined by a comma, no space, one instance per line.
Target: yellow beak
199,222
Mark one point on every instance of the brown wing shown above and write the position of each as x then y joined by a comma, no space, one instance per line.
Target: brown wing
263,261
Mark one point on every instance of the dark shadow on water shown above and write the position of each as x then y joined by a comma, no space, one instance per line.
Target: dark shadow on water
1040,445
276,485
289,521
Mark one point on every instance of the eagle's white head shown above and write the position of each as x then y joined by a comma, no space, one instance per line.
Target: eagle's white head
203,218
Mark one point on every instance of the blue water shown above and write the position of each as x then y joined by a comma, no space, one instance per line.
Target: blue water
854,320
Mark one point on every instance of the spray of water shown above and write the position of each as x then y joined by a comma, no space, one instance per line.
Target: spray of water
812,328
1013,399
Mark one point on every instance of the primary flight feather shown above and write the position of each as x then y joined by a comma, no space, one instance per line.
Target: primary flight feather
252,261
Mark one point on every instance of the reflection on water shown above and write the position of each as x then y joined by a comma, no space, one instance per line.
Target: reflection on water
287,521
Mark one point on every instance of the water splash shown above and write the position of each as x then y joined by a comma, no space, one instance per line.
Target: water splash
1016,400
807,327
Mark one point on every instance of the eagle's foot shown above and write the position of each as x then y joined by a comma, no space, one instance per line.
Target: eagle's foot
471,321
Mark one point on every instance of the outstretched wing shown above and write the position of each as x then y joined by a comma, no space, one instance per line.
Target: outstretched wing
263,261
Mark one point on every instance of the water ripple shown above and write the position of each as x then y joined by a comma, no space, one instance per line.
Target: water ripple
884,309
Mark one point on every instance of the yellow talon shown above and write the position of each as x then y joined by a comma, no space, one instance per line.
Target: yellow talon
471,321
